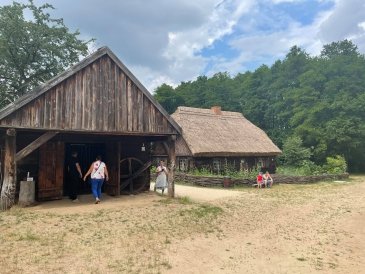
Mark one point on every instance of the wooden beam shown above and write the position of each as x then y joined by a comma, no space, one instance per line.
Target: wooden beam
166,147
34,145
7,197
171,160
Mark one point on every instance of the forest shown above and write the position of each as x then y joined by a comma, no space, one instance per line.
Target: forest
317,99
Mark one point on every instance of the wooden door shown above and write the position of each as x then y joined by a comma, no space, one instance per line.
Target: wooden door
51,161
112,186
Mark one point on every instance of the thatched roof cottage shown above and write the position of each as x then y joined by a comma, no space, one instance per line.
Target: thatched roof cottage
215,139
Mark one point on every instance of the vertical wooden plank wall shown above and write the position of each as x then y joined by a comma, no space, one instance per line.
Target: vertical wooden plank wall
99,97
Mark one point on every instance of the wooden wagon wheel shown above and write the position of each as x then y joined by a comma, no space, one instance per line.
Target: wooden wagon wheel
134,175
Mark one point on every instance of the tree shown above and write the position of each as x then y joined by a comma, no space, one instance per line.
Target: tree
341,48
33,51
319,99
294,153
168,98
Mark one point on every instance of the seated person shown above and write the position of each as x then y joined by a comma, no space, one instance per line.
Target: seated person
260,180
268,181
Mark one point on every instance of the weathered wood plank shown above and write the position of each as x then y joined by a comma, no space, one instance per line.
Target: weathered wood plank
78,100
153,119
63,106
53,123
140,111
124,104
129,106
94,88
88,98
72,103
99,102
66,105
108,96
103,94
84,97
117,109
57,106
134,109
145,115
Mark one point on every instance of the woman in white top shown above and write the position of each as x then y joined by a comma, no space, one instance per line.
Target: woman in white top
99,173
161,180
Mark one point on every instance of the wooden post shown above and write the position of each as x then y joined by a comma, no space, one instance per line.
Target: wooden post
172,161
7,197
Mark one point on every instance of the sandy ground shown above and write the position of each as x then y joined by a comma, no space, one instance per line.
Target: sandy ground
198,194
317,228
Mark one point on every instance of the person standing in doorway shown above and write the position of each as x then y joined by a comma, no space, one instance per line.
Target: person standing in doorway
99,173
75,174
161,180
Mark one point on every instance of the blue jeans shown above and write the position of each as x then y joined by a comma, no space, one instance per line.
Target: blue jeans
96,185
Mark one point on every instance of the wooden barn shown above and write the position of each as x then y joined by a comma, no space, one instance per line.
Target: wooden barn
97,107
217,140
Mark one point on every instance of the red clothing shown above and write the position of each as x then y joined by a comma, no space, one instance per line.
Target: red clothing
259,178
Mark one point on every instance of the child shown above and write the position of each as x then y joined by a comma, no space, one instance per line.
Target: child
259,180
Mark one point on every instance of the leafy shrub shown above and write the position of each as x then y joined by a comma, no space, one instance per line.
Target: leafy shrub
248,173
336,165
228,171
153,169
202,172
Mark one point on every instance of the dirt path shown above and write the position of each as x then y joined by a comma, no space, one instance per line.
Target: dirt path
86,202
204,194
323,234
317,228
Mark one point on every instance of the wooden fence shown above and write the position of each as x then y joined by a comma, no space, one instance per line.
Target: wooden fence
278,179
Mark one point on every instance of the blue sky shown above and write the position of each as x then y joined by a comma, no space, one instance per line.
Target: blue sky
164,41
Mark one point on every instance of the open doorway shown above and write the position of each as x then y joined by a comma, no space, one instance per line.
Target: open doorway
86,155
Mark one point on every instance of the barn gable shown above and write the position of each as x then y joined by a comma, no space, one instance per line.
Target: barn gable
99,94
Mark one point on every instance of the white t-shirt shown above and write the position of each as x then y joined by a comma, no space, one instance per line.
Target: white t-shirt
98,170
160,168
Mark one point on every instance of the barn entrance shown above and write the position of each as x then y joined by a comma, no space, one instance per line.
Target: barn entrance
86,154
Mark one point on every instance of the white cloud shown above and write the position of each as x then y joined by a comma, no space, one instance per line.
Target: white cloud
162,41
184,46
345,21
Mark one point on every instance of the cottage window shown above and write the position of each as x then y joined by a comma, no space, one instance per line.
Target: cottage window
183,164
216,166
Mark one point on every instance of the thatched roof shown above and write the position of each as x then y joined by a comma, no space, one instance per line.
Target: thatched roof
212,132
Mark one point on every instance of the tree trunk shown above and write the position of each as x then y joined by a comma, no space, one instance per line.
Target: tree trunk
7,197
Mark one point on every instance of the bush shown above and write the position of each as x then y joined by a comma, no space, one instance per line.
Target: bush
228,171
335,165
201,172
305,169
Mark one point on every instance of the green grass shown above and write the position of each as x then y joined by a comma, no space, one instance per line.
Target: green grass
202,211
